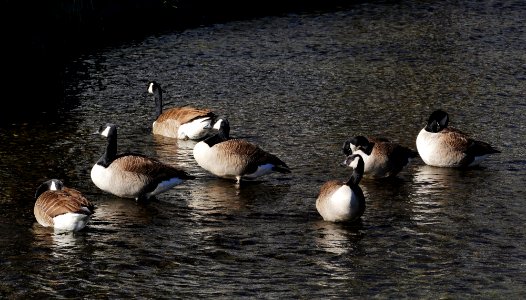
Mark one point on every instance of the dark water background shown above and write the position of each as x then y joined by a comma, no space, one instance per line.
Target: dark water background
298,85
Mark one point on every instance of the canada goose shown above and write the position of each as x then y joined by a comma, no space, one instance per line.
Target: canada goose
235,158
382,158
131,175
340,201
443,146
180,122
61,207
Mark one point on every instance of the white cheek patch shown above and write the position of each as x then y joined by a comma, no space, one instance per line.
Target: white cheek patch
217,125
354,163
150,88
53,186
106,131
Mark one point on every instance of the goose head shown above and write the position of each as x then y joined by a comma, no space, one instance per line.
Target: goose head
437,121
50,185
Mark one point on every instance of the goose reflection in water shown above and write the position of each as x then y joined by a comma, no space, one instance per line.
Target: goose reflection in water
436,188
117,213
59,243
430,180
338,238
177,152
216,195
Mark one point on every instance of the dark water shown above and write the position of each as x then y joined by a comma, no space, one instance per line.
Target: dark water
298,86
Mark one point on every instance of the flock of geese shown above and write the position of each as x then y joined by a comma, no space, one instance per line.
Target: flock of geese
137,176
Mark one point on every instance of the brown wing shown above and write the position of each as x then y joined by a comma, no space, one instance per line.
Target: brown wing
392,156
148,166
54,203
328,188
253,156
383,147
378,139
78,198
184,114
394,151
478,148
456,139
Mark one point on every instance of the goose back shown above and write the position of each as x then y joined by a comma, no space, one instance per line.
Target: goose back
442,146
63,208
235,158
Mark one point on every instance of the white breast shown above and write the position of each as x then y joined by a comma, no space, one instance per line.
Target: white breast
435,151
122,184
221,162
338,206
207,158
426,143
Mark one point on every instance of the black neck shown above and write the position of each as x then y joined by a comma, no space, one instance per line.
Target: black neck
357,174
369,148
111,151
219,137
158,98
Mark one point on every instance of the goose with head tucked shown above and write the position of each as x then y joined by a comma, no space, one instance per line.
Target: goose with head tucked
442,146
235,158
60,207
186,122
339,201
382,158
132,175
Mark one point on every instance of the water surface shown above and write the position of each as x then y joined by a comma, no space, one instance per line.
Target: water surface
297,85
